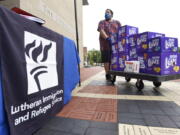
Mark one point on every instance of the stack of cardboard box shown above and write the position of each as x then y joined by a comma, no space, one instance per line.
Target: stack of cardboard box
156,53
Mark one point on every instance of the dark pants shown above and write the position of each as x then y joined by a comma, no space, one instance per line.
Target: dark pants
105,56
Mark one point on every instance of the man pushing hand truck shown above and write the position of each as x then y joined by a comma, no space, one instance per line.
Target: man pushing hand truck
107,27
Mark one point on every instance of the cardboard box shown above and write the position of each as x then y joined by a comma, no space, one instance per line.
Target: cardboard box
132,66
118,61
114,38
123,45
114,48
132,40
176,71
114,62
127,30
163,63
142,58
163,44
121,60
143,38
133,53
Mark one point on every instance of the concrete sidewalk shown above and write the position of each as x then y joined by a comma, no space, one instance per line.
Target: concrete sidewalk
100,108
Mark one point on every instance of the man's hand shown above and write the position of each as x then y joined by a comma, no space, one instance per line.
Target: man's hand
108,39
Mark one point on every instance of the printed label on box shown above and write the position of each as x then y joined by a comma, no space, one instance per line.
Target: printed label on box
132,66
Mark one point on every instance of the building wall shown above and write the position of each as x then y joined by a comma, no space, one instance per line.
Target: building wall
58,14
85,55
10,3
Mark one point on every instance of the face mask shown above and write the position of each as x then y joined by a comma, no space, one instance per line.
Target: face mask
107,16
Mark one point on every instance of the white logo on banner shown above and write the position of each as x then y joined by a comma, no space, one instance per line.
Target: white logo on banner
40,54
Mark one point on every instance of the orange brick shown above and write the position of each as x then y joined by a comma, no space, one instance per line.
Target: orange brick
99,116
111,117
87,115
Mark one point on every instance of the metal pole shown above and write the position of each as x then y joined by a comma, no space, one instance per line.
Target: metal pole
77,37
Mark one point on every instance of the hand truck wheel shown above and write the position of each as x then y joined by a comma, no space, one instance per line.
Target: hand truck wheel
128,79
139,84
157,84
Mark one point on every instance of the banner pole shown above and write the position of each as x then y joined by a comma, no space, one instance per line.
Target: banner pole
77,38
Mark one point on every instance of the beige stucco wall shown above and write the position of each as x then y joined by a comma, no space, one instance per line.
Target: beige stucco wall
10,3
58,14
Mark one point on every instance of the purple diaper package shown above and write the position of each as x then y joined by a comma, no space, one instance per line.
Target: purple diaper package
142,58
178,72
143,38
122,58
114,38
123,45
163,44
114,62
127,30
132,40
114,48
133,53
163,63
